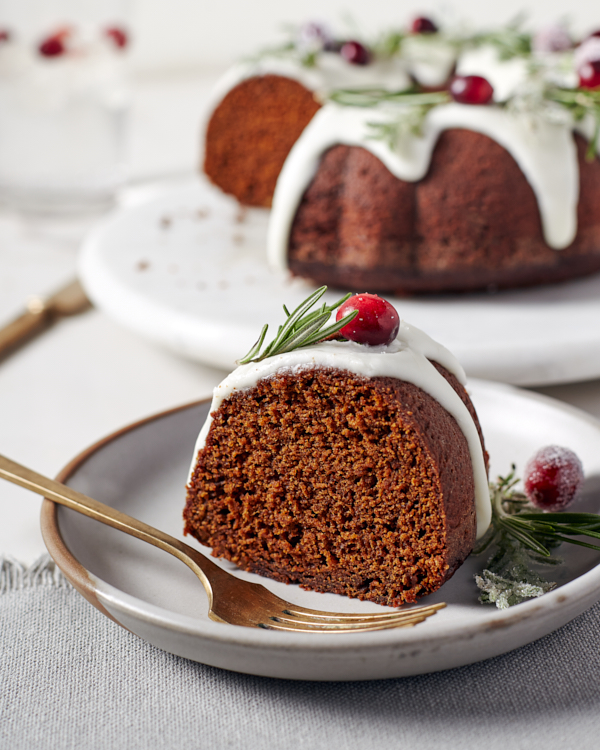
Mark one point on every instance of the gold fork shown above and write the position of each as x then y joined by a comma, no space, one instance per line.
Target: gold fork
230,599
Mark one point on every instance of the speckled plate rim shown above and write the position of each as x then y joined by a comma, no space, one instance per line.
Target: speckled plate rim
432,646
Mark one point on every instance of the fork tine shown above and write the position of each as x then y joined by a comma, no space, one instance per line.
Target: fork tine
353,623
319,616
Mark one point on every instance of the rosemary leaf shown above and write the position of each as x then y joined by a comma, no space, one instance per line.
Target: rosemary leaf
256,348
578,542
306,331
301,328
334,328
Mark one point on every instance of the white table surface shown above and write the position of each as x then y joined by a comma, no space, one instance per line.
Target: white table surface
87,377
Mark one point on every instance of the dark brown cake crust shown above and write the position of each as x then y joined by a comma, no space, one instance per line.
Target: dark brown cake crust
471,224
251,132
344,484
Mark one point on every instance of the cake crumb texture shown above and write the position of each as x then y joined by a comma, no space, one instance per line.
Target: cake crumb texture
340,483
251,132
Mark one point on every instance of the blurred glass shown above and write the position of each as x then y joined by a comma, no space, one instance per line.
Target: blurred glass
64,97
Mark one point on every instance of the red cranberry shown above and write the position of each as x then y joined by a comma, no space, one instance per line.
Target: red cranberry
4,35
118,36
355,53
52,47
552,477
423,25
377,321
594,33
471,90
589,75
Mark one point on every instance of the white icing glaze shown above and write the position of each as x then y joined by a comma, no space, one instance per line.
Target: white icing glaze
331,72
545,152
506,76
407,358
430,59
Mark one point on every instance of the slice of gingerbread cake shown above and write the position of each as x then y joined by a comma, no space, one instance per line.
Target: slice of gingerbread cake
348,466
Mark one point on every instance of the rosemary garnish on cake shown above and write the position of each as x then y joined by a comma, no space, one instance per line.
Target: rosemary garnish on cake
509,41
409,120
580,102
302,328
365,318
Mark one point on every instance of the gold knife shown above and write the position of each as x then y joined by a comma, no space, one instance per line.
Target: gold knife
41,313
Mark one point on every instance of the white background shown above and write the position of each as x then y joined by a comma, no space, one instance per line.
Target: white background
178,34
183,33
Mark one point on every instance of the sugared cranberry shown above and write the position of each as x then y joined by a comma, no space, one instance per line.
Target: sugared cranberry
589,75
423,25
377,321
587,63
553,38
4,35
118,36
553,477
355,53
471,90
52,47
315,35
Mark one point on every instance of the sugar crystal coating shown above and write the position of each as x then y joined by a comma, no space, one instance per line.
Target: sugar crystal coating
553,476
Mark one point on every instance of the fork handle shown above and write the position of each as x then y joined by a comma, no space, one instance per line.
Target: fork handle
67,496
25,327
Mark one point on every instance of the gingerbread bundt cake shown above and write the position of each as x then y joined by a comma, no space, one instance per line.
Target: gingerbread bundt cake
489,181
352,469
482,200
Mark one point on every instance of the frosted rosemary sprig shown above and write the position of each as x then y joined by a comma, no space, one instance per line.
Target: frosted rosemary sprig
514,517
291,50
389,44
302,328
580,102
408,121
522,539
371,97
509,41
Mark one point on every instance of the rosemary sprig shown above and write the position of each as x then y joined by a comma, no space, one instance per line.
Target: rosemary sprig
371,97
580,102
301,328
510,41
291,50
514,517
410,118
523,538
389,44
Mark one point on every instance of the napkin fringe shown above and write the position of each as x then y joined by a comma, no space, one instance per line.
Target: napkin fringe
14,576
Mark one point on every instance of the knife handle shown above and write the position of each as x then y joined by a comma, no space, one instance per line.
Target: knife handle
37,317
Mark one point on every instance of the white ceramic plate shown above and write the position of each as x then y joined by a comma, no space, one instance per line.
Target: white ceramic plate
142,470
187,270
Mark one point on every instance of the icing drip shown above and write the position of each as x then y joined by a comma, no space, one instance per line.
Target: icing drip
407,358
545,152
